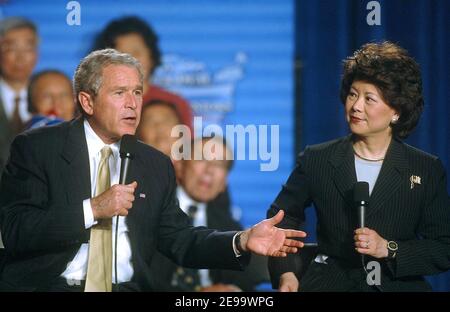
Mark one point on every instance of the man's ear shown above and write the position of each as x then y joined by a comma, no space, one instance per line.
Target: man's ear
87,102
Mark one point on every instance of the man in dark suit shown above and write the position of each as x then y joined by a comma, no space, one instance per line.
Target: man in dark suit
18,56
203,197
57,205
5,136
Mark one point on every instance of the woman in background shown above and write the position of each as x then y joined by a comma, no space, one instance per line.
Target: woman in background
134,36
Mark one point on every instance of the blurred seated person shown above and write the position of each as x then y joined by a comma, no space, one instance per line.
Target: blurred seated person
158,118
134,36
18,56
50,98
201,183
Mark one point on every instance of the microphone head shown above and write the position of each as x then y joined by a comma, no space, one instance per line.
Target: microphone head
361,192
128,146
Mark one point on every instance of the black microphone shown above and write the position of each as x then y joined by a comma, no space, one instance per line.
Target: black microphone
127,151
361,198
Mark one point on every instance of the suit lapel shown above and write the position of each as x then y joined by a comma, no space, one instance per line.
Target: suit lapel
5,132
389,178
135,214
76,166
76,162
344,175
3,117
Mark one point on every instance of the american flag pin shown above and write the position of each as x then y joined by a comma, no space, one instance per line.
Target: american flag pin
414,180
141,195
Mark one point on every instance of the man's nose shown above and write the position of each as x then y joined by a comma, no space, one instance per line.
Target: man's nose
131,101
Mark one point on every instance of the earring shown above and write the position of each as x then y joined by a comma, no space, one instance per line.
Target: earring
394,120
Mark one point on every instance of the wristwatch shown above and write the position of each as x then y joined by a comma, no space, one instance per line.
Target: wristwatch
238,243
392,249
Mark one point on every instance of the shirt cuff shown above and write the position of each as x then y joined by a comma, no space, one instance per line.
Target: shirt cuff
236,251
88,214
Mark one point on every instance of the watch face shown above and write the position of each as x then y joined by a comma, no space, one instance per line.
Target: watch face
392,245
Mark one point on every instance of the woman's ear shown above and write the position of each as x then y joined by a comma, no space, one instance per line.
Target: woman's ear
86,102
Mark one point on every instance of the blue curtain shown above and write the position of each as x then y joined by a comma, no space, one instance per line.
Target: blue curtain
329,30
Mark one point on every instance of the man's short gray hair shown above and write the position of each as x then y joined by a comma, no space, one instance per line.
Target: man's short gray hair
88,75
11,23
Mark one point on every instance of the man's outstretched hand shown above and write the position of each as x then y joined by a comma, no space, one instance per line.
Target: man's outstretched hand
267,240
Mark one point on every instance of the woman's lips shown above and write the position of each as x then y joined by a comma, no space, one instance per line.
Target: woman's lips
355,119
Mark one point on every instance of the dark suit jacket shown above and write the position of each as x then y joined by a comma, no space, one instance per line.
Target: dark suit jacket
5,136
417,218
218,215
5,141
42,221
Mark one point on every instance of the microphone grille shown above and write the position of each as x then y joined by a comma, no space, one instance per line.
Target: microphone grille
361,192
128,145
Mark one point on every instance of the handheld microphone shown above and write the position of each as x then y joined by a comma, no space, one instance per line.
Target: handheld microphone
127,151
361,198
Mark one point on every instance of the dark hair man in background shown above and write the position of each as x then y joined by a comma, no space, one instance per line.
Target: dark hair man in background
18,56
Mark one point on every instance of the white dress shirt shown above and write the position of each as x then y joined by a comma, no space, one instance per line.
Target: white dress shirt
77,268
8,95
199,220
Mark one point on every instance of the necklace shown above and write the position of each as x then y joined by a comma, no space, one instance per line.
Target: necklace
359,156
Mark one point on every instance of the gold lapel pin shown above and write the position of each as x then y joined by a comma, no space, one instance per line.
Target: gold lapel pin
414,180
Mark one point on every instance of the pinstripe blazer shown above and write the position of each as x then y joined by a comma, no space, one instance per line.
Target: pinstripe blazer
5,136
416,216
41,215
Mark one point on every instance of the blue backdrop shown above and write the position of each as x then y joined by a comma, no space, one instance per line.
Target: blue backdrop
329,30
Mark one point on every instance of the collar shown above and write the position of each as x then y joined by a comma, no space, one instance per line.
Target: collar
8,95
391,175
95,144
186,201
9,92
395,155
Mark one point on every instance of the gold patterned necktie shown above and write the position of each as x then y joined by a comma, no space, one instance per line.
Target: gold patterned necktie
99,270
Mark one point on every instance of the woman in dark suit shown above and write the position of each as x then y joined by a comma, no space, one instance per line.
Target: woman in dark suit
407,223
